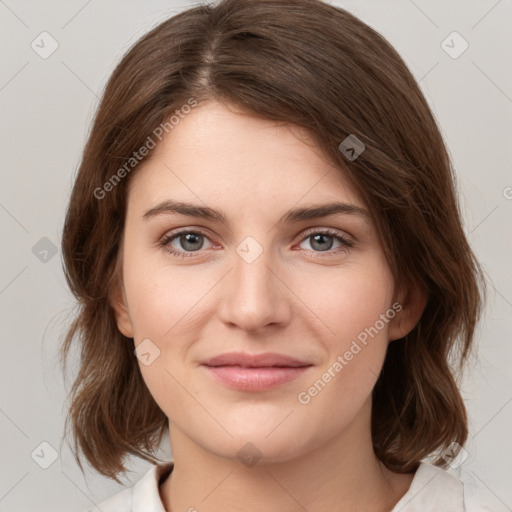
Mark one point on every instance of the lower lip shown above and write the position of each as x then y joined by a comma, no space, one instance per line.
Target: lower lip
255,379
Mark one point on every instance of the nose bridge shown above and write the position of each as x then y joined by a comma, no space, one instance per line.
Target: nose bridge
253,296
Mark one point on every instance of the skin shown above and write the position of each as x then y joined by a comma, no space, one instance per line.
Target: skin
317,456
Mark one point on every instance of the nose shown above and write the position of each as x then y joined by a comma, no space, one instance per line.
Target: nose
254,294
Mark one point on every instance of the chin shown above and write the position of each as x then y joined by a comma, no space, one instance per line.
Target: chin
253,444
250,451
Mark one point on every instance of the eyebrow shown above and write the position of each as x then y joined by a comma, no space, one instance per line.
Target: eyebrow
295,215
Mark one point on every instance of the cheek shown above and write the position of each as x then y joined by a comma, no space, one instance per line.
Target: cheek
166,306
352,299
356,307
161,298
161,311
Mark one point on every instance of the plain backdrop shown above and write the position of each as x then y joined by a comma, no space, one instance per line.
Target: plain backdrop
47,106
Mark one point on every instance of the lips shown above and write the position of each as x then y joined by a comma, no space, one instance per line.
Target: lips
254,372
255,360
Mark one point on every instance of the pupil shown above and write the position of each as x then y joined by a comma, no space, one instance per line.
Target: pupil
322,247
191,240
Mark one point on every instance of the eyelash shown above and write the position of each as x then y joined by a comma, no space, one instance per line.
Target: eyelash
346,243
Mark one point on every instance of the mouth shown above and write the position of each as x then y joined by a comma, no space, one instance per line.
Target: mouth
255,372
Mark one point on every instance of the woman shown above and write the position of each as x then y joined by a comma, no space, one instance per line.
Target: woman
265,243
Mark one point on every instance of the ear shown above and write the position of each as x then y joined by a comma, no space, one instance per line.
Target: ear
120,306
413,304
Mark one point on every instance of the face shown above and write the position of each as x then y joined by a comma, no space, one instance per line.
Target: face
249,273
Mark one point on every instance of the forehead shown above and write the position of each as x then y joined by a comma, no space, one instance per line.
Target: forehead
219,155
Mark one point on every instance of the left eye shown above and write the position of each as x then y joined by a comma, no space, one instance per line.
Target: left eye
322,241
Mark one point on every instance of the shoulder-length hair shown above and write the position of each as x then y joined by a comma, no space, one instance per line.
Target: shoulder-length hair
314,65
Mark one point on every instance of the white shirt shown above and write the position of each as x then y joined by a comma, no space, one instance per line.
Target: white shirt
432,490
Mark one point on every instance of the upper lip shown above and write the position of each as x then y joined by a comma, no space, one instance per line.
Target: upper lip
254,360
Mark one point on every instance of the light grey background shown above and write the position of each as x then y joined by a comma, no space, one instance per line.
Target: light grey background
47,106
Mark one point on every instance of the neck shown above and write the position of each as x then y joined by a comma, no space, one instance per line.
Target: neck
341,474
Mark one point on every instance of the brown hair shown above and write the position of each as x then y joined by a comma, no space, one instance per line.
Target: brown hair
317,66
